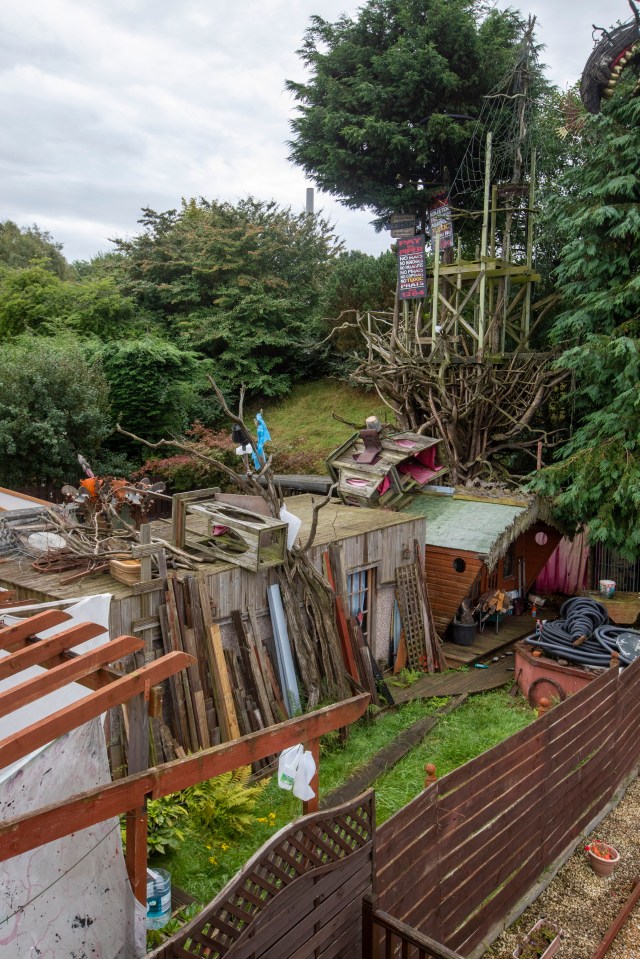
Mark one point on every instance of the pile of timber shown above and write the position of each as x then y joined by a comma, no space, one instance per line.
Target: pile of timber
228,692
236,689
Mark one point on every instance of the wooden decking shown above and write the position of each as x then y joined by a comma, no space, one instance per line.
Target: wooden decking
457,682
488,641
473,680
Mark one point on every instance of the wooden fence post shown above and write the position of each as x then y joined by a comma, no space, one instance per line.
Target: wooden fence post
369,905
312,805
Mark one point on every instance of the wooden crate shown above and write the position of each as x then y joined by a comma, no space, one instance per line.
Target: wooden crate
126,571
252,541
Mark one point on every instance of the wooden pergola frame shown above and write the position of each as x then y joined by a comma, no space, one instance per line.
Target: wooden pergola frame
129,795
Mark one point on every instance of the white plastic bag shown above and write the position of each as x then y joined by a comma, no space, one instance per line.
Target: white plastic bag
293,522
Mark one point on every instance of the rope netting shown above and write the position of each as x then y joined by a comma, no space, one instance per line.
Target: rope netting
506,114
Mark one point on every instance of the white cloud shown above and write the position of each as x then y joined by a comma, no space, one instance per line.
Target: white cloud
110,105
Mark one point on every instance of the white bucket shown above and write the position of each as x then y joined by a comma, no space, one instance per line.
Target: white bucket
607,587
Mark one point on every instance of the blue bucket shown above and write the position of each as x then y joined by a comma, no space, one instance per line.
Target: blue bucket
158,898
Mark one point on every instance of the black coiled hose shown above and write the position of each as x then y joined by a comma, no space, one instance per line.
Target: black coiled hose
580,618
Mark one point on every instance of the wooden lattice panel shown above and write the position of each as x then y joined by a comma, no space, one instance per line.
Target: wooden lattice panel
292,884
409,598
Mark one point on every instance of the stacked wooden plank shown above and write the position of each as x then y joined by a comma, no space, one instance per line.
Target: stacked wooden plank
360,665
227,692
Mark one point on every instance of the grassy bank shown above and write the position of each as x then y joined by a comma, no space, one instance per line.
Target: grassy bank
303,421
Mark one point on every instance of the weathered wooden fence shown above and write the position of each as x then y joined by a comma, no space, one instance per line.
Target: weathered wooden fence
457,859
299,896
449,867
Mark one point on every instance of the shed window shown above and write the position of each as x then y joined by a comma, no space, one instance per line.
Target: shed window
509,562
360,597
459,565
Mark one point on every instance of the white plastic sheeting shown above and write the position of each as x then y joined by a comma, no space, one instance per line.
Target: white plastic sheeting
71,897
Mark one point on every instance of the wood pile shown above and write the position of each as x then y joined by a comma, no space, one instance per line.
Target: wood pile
232,690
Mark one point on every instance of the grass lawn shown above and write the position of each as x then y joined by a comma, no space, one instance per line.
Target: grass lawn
303,419
204,865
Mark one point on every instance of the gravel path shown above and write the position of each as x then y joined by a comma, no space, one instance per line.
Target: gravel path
585,905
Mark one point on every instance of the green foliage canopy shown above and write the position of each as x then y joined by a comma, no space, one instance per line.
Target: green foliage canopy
151,385
241,284
54,405
26,246
35,300
378,108
596,481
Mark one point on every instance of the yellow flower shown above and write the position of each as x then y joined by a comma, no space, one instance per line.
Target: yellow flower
213,860
207,847
224,845
272,815
261,819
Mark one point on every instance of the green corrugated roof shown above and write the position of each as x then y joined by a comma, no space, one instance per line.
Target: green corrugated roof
463,524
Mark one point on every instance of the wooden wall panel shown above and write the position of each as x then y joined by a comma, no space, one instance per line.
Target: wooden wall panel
535,555
447,588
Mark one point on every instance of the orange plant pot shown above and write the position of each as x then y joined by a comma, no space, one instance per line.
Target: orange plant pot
600,865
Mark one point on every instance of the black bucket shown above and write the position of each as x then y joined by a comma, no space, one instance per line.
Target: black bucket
463,634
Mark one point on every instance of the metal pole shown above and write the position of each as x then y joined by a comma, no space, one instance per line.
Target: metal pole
483,245
530,218
309,204
434,292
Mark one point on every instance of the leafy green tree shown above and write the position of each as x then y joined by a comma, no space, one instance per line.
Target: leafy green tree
596,480
151,386
54,405
388,94
32,300
22,247
357,283
35,300
241,284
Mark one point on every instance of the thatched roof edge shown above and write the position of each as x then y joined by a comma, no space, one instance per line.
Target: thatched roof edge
538,510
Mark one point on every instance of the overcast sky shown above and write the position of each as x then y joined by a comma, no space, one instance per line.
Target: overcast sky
107,106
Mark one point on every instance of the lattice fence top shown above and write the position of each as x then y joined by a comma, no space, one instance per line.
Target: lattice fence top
308,848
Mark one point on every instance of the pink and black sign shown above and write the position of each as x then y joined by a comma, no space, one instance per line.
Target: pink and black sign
412,271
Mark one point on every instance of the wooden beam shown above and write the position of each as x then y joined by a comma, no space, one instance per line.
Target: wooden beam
223,696
312,805
35,654
12,637
136,852
27,832
45,730
136,819
31,689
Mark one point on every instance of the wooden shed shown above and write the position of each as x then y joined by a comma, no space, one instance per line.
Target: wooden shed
373,542
475,542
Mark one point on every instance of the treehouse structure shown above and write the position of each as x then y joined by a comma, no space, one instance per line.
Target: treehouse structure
459,362
481,308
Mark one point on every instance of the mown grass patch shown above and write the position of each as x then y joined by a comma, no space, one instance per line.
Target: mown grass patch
204,865
303,420
483,721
